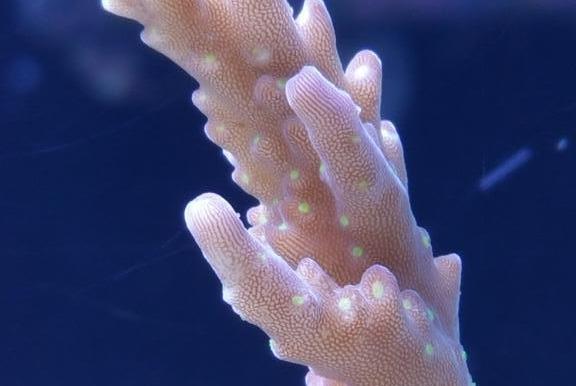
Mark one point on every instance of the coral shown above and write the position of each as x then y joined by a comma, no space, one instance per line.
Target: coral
334,267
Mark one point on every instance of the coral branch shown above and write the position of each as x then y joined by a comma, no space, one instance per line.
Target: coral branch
334,267
367,334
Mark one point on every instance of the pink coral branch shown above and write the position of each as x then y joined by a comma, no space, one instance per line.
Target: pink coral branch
334,267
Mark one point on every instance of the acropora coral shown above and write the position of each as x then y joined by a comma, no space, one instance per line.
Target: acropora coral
333,267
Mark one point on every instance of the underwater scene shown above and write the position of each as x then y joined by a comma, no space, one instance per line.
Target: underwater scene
273,192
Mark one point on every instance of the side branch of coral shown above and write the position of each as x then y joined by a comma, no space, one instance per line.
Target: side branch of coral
334,267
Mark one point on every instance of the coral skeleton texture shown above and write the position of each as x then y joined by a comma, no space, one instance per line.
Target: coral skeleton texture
334,267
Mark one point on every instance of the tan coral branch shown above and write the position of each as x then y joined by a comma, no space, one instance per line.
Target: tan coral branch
334,267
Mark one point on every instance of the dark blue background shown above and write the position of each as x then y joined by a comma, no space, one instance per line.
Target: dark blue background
100,150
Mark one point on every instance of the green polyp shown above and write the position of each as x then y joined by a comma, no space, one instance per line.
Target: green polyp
262,219
429,349
378,289
426,238
344,221
210,58
345,304
363,185
281,83
304,207
298,300
294,174
407,304
357,251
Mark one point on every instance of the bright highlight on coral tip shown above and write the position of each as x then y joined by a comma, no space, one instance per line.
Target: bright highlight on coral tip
361,72
106,4
200,207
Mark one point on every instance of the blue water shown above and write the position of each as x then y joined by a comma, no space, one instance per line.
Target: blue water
100,150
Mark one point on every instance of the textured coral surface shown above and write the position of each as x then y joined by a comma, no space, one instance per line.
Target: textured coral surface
333,266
